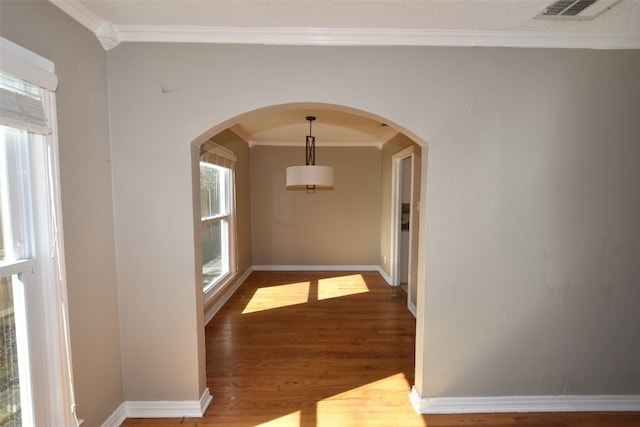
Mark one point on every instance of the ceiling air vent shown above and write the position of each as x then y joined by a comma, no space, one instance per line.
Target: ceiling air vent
576,9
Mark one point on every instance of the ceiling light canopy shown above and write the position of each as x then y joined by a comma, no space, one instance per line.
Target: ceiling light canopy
310,175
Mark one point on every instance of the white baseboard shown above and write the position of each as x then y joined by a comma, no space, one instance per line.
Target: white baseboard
471,405
159,409
384,275
412,309
117,417
377,268
315,268
227,293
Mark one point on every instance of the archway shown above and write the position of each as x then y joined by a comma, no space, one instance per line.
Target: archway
222,127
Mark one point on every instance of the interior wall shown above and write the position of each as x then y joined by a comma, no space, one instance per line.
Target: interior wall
529,246
87,205
326,227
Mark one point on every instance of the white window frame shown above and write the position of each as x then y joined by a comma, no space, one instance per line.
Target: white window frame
215,155
44,278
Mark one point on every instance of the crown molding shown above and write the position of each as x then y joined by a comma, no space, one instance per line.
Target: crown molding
111,35
102,29
376,37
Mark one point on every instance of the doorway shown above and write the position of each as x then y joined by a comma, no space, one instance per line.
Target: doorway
404,224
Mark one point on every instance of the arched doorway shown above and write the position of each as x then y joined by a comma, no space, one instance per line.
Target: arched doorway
274,186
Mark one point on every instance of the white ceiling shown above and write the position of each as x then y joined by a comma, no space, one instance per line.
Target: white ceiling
510,23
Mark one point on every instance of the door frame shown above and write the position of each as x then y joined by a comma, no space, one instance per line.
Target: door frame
396,214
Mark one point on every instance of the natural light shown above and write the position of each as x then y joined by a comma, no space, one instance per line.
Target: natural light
273,297
290,420
341,410
341,286
346,409
280,296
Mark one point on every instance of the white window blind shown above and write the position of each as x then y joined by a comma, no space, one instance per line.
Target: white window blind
22,106
23,81
217,155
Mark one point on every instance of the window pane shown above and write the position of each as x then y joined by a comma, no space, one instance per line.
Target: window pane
212,190
15,193
10,411
214,251
2,251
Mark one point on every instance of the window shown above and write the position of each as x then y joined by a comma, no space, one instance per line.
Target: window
217,214
36,386
17,264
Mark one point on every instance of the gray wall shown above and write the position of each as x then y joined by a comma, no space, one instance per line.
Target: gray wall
530,239
328,227
87,206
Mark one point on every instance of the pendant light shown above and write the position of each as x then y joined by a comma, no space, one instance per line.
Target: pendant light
310,175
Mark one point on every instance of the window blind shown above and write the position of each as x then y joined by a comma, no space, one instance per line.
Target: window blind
217,155
22,106
23,81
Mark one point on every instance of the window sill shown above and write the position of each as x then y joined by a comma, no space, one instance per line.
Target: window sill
212,291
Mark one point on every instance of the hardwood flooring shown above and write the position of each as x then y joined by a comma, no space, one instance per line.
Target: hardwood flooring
327,349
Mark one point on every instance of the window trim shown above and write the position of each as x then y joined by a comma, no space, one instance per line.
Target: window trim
52,377
218,156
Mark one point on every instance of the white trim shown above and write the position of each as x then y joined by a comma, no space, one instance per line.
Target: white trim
374,37
384,275
205,401
226,292
316,268
111,35
117,417
104,31
9,268
412,306
80,13
159,409
396,184
26,65
377,268
470,405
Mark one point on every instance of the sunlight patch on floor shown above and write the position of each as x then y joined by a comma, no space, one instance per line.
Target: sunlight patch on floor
341,286
290,420
379,397
278,296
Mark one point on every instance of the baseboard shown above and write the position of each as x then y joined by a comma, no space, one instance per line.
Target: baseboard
471,405
384,275
412,309
316,268
159,409
117,417
211,311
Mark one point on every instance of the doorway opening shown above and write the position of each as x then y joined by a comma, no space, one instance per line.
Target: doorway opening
404,224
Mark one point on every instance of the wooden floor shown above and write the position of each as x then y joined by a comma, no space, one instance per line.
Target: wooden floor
327,349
